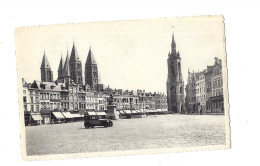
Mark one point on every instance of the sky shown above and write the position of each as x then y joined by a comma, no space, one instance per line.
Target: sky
130,54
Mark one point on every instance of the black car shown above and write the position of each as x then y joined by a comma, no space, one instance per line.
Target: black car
92,119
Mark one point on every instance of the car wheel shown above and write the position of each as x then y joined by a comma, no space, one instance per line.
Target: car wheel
105,125
110,124
92,126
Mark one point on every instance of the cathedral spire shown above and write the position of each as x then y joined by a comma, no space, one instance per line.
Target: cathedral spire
173,44
90,58
45,62
91,72
74,54
61,66
66,68
46,72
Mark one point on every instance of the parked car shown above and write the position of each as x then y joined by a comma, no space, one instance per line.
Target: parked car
92,119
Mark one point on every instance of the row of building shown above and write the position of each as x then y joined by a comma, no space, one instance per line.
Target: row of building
204,90
70,92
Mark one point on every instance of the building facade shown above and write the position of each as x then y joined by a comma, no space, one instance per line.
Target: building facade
204,90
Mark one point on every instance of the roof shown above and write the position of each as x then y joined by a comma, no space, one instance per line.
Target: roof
90,58
45,63
74,56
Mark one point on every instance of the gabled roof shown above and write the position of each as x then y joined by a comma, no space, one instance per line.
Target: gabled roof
91,59
74,56
45,63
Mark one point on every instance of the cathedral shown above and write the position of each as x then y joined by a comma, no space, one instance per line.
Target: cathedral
175,84
70,70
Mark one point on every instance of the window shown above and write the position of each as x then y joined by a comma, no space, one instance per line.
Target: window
37,108
31,108
24,92
31,99
24,99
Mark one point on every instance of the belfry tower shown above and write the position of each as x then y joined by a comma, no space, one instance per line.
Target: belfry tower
91,71
175,84
75,66
46,72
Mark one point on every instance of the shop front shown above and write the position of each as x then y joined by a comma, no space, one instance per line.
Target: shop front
36,119
216,104
46,115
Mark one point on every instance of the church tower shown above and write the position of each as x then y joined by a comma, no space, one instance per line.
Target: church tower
91,71
46,73
175,84
75,66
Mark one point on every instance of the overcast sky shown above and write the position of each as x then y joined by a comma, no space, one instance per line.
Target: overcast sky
130,54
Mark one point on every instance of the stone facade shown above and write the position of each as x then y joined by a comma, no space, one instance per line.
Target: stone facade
204,90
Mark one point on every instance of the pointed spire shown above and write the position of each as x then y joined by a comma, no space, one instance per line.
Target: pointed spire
66,68
45,63
61,66
173,49
74,56
90,58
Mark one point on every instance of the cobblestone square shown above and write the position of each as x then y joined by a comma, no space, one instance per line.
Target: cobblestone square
161,131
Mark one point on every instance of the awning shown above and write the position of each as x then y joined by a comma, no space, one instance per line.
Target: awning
91,113
36,117
138,111
122,112
101,113
128,111
67,115
134,112
58,115
76,115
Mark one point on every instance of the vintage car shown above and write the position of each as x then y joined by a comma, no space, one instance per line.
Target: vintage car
92,119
